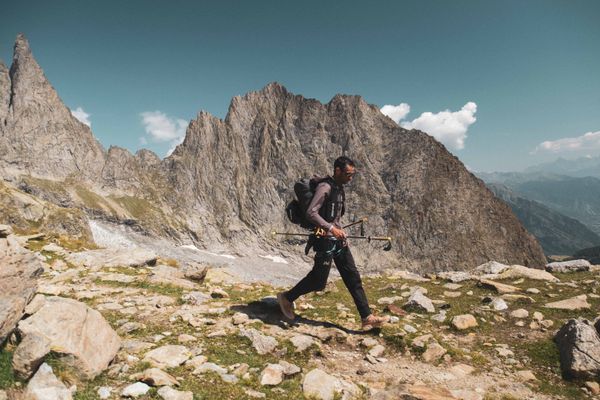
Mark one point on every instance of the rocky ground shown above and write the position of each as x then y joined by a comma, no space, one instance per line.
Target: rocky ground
190,331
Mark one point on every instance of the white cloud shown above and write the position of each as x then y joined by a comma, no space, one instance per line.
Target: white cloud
584,143
162,128
397,113
449,127
82,116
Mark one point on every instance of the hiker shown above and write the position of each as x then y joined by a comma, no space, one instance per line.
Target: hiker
324,211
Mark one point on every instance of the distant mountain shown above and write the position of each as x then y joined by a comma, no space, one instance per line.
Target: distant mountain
579,167
592,254
557,233
574,197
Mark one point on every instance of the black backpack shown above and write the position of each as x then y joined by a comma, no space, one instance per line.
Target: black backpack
305,190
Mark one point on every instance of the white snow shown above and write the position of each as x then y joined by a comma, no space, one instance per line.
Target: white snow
275,259
192,247
104,237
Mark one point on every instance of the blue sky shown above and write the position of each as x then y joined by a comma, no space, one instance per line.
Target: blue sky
510,74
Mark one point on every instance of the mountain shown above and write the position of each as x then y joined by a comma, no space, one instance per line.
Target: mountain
557,233
38,134
227,184
578,198
579,167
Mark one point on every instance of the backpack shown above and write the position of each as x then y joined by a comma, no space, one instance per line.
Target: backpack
305,190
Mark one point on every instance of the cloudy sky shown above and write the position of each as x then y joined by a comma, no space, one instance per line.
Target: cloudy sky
503,84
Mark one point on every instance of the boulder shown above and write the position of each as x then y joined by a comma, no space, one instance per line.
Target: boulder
578,342
419,302
272,375
574,303
169,356
30,354
302,342
568,266
45,386
73,329
157,377
135,390
455,276
101,258
415,392
19,272
465,321
519,271
320,385
168,393
491,267
263,344
497,286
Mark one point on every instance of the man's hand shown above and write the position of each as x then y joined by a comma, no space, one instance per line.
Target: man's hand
338,233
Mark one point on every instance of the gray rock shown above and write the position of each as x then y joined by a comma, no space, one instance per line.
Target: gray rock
568,266
104,392
319,385
433,353
45,386
491,267
419,302
168,356
302,342
210,367
263,344
116,257
579,345
30,354
501,288
272,375
455,276
157,377
168,393
90,351
574,303
288,368
18,283
465,321
135,390
499,304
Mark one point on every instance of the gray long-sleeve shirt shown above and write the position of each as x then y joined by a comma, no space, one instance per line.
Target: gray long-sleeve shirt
312,213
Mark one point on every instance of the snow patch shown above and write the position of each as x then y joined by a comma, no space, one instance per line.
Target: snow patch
275,259
109,238
192,247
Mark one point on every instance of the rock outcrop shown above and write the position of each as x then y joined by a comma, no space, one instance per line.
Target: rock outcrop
19,270
71,328
579,344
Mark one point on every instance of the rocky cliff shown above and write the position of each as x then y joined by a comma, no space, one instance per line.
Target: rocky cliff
228,183
238,173
38,134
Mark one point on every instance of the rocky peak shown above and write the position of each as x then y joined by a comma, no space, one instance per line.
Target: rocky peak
409,185
40,136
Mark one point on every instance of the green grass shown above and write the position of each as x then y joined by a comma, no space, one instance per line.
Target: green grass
7,377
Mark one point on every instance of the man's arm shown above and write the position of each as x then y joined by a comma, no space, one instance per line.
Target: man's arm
312,213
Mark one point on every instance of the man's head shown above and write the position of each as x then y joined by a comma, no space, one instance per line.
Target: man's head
343,170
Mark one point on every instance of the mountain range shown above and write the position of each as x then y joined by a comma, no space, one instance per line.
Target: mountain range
227,184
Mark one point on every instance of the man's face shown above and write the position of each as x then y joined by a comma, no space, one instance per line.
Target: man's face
344,175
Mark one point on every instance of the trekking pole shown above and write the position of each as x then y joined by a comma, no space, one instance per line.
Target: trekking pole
388,239
362,225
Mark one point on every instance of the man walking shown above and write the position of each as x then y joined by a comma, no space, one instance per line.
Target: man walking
325,211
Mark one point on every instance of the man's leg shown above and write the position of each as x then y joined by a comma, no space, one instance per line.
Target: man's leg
347,268
315,280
